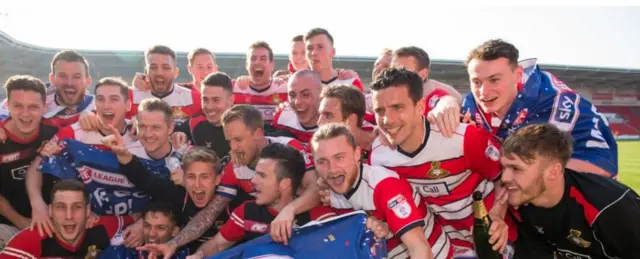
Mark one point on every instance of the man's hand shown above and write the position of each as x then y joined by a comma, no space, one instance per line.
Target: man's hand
344,74
179,139
243,82
177,176
92,220
115,143
467,119
166,249
133,235
446,115
90,121
50,148
40,218
141,82
324,192
377,132
499,232
378,227
281,225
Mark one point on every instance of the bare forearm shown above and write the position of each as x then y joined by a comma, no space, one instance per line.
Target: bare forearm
214,246
201,222
34,181
582,166
309,198
7,211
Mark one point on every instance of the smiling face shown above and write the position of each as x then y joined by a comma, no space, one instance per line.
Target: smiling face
337,163
304,98
201,180
524,182
154,131
69,211
215,100
26,109
259,65
397,115
494,84
243,141
161,70
266,184
111,106
297,57
158,228
201,66
71,80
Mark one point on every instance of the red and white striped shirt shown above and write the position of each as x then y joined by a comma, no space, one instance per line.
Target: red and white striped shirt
445,172
265,100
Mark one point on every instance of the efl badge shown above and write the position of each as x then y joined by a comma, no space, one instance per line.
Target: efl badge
574,237
478,119
92,252
399,205
522,115
178,114
492,152
436,172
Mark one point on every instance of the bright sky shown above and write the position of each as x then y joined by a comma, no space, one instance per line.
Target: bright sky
585,36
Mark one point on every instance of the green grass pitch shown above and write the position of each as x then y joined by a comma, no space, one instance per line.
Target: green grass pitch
629,163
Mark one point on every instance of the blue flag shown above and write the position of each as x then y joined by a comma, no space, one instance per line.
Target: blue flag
121,252
341,237
111,192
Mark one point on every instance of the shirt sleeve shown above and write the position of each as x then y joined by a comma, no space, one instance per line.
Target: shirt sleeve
482,152
233,229
25,244
66,132
393,201
358,84
228,186
432,99
306,154
321,213
114,224
618,229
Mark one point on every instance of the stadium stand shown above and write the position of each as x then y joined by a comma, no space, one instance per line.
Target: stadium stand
615,91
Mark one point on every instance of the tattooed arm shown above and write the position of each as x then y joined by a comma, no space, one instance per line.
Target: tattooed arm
201,222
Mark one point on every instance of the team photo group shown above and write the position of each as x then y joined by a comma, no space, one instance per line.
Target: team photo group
308,162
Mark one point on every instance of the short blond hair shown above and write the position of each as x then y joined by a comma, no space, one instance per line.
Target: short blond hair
201,154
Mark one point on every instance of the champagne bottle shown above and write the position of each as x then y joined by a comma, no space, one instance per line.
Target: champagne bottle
481,224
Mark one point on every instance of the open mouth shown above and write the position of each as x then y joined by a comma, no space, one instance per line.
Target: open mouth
108,116
25,122
488,100
69,229
393,130
199,196
258,72
337,180
69,92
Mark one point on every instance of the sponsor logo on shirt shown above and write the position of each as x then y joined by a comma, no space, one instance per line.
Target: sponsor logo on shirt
492,152
399,205
436,172
571,255
433,101
256,226
19,173
431,189
8,158
565,111
576,239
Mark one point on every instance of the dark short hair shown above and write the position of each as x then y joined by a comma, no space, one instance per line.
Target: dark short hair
25,83
394,77
201,154
117,81
70,185
421,56
298,38
351,100
318,31
160,49
164,207
539,140
156,104
290,163
69,56
249,115
330,131
218,79
262,45
494,49
199,51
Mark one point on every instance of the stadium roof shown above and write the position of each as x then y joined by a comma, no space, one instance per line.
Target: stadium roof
24,58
